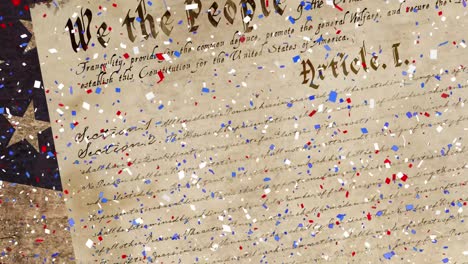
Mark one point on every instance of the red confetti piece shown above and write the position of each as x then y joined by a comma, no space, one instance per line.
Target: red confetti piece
404,178
159,56
126,56
338,7
312,113
161,76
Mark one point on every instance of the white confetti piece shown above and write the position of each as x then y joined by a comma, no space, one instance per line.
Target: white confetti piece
181,175
433,54
150,96
191,7
227,228
37,84
166,198
89,243
86,105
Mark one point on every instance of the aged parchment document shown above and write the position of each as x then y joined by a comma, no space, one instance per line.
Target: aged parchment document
238,131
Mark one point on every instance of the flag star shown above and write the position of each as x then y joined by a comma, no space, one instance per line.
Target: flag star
26,127
32,42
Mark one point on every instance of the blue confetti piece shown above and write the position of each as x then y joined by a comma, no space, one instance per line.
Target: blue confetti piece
266,179
71,222
296,58
409,115
364,130
394,148
409,207
327,47
443,43
389,255
332,96
292,20
205,90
